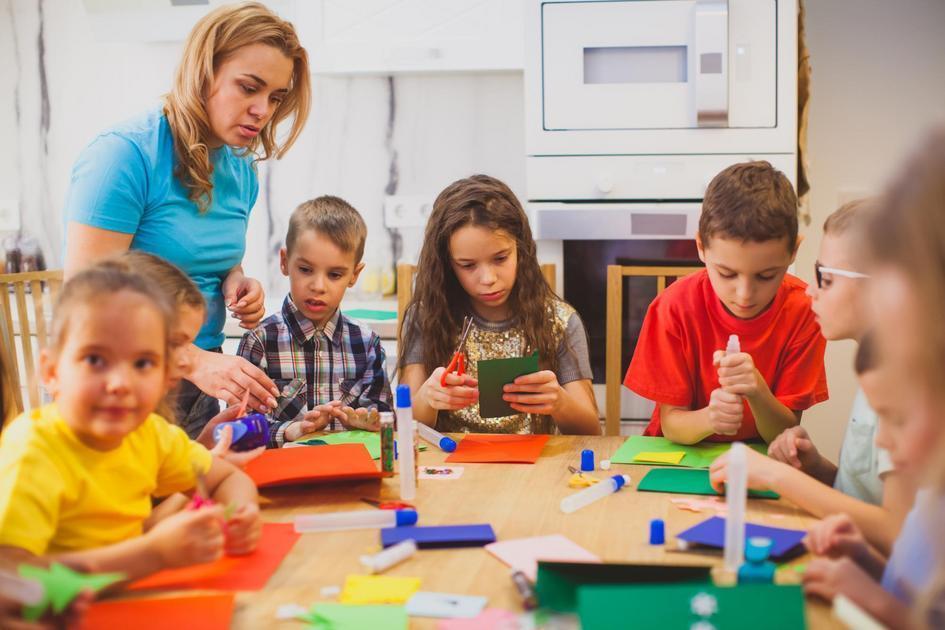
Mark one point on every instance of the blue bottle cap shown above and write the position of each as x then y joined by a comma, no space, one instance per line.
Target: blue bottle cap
758,548
657,532
620,480
406,517
587,460
403,396
448,444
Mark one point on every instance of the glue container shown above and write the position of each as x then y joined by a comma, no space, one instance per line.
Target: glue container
249,432
407,448
736,494
436,438
389,557
734,346
387,443
359,519
598,491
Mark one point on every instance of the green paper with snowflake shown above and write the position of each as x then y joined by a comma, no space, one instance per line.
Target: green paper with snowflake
61,585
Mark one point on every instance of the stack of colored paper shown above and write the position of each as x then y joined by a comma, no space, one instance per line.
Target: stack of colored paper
641,449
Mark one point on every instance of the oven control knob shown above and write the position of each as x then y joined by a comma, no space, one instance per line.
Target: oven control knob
605,184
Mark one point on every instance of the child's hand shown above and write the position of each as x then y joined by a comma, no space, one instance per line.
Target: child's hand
835,536
243,530
794,447
827,578
725,412
762,471
189,537
363,419
737,373
534,393
206,434
237,458
460,391
314,420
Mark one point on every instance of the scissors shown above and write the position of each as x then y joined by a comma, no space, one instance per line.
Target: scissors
388,505
458,362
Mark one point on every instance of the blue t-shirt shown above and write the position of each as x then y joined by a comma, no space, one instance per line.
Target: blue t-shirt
124,182
912,564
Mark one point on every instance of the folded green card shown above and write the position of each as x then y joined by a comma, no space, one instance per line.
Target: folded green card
688,481
699,455
683,606
493,375
370,439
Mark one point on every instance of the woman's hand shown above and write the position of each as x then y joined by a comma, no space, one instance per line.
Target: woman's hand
538,393
228,377
460,390
245,298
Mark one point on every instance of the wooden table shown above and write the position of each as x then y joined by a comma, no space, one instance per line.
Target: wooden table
518,500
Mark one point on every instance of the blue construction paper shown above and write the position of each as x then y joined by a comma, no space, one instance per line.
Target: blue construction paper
440,536
444,605
711,533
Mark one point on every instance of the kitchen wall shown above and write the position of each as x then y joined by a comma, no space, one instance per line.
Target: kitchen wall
878,81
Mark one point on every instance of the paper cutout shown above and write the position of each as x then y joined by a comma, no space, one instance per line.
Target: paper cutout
651,457
493,376
440,536
445,605
441,472
690,504
332,616
671,606
231,573
489,619
313,464
487,448
688,481
378,589
524,553
711,533
370,439
699,455
207,612
558,582
61,585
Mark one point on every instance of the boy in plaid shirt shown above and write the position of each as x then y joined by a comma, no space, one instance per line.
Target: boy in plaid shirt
341,362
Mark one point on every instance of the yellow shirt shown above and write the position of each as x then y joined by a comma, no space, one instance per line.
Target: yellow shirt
56,494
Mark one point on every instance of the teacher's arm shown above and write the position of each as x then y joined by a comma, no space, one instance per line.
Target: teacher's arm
89,244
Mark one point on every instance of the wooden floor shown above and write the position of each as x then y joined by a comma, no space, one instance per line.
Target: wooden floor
517,500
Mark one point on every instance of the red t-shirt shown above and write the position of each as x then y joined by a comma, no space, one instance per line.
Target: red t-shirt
687,323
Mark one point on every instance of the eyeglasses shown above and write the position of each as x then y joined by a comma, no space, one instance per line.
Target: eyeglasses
820,270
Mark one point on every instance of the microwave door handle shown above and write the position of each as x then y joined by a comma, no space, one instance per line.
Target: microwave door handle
711,63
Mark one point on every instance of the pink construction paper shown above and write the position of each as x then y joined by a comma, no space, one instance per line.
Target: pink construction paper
489,619
524,553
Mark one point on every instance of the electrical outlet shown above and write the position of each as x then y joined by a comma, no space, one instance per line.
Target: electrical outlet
9,215
402,211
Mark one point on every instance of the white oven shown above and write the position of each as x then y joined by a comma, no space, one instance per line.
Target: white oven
631,107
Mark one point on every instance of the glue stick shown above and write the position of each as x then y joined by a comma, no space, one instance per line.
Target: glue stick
734,347
736,491
389,557
407,448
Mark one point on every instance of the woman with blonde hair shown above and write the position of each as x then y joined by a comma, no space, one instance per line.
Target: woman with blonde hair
179,181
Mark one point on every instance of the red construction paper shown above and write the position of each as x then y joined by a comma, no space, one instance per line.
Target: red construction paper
312,464
498,448
206,612
230,573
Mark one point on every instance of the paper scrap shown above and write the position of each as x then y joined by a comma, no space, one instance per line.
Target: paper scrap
445,605
524,553
378,589
489,619
331,616
441,472
654,457
61,585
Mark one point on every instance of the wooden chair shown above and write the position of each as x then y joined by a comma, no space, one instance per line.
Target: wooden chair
612,365
30,321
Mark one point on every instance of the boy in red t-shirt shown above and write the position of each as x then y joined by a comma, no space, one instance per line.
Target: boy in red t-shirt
747,239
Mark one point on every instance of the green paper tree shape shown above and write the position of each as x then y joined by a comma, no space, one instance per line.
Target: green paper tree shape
61,585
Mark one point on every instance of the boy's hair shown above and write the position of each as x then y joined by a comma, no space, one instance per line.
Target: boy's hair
750,201
173,283
334,218
865,360
844,218
104,278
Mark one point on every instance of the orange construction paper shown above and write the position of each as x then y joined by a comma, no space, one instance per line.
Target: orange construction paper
312,464
230,573
206,612
496,448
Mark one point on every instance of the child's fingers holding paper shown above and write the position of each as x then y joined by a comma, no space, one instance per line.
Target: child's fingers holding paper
243,530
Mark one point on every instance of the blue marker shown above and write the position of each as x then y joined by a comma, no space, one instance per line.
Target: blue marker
436,438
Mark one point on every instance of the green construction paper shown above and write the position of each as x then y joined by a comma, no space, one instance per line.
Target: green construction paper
331,616
493,375
670,606
557,583
688,481
61,585
367,313
699,455
370,439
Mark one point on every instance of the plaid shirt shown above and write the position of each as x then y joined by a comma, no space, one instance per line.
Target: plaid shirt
342,361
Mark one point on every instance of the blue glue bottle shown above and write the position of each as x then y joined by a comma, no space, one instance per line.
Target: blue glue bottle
757,569
249,432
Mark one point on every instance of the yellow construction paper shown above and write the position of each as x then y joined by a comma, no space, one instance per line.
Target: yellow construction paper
660,458
378,589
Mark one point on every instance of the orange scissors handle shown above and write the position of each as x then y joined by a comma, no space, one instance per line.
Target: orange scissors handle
457,365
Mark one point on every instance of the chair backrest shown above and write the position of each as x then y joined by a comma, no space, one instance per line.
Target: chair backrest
614,338
24,320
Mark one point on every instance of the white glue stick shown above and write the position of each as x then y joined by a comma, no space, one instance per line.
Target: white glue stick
389,557
736,493
406,444
734,346
593,493
359,519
